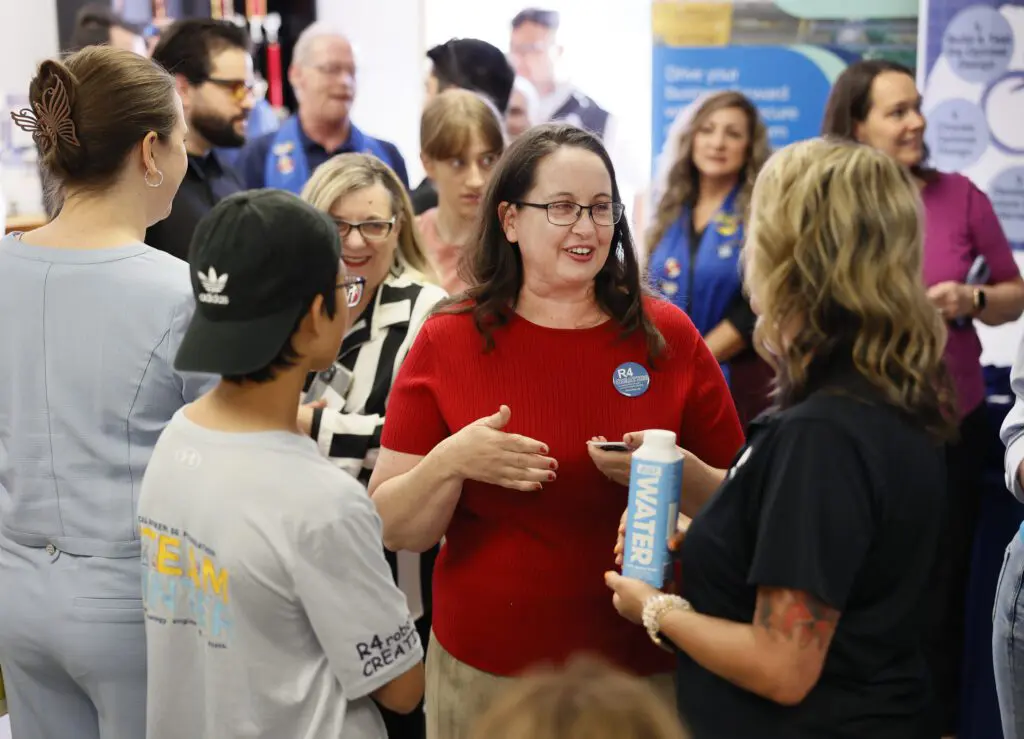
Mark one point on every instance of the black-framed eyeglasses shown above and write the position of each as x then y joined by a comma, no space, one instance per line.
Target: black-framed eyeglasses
566,213
239,89
370,230
354,287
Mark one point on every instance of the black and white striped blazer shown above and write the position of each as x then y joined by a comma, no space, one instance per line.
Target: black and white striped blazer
356,389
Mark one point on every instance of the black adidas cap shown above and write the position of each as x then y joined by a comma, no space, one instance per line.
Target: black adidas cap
257,259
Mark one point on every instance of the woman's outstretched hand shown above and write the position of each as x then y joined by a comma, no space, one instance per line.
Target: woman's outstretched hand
485,452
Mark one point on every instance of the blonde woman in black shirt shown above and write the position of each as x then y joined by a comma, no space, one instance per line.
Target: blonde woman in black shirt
803,575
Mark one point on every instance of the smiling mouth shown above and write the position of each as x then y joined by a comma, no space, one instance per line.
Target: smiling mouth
580,253
356,261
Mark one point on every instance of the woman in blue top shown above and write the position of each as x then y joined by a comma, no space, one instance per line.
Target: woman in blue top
90,321
697,232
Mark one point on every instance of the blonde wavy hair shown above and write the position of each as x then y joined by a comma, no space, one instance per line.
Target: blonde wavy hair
683,180
344,174
586,700
833,265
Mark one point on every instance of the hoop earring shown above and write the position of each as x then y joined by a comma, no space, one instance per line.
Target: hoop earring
158,182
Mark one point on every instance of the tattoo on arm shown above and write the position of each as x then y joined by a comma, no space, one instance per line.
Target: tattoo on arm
796,616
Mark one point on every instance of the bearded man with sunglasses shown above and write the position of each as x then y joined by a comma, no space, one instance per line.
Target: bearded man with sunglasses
211,63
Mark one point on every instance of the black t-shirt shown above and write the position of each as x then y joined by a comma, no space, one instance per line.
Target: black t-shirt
207,181
840,496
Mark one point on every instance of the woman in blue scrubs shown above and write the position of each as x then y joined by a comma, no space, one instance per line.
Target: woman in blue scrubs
697,232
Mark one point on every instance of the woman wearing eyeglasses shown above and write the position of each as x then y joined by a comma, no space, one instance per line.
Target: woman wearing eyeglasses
485,443
461,139
390,292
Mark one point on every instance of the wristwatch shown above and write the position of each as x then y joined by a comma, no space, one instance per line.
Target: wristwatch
980,300
654,610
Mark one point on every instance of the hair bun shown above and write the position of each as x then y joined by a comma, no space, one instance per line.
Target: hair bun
53,94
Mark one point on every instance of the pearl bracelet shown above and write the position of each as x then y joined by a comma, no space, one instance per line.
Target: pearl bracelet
655,608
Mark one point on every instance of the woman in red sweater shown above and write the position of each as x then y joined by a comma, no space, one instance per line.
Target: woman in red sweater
485,439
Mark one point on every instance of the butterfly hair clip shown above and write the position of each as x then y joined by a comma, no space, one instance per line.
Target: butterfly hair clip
51,120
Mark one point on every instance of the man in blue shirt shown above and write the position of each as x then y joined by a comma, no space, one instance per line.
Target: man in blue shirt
323,75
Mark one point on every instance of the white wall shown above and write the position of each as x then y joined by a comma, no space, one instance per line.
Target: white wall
388,36
607,54
28,34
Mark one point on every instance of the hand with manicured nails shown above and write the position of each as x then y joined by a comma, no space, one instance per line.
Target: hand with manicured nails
485,452
616,465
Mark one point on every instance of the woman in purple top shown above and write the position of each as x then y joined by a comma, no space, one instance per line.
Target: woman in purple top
877,103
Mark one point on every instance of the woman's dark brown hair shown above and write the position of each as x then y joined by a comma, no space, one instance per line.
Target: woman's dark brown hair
850,102
115,97
494,266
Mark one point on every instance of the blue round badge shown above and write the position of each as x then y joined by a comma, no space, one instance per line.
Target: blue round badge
631,379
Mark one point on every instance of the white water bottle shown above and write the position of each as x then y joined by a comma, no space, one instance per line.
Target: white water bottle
655,483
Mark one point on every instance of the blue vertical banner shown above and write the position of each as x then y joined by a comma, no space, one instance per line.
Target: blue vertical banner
973,84
783,55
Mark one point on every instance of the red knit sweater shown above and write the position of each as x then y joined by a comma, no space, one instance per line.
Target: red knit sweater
520,578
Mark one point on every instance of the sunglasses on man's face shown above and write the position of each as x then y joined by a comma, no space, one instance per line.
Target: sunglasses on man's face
238,89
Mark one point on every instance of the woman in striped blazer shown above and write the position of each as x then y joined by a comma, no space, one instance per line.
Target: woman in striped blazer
376,223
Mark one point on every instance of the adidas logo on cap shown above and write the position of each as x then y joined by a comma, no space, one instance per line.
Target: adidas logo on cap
213,285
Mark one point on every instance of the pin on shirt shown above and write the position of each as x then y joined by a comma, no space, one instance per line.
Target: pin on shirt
631,379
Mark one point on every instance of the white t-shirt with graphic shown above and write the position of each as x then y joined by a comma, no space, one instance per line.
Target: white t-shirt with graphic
270,609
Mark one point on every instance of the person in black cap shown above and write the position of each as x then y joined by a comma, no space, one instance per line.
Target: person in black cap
257,551
468,64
